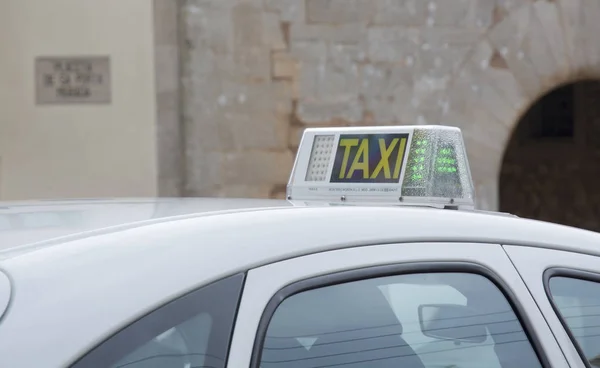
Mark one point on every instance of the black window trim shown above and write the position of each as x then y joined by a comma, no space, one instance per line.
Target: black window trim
239,279
397,269
573,274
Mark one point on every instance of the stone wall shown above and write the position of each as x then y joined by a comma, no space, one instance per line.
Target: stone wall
256,72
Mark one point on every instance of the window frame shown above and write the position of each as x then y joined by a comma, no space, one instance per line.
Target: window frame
154,320
395,270
571,273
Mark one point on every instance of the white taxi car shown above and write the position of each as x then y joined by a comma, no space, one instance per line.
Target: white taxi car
377,259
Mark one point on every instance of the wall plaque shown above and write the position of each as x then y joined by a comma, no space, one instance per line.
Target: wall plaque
73,80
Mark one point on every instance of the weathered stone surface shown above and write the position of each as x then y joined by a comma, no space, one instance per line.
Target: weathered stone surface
208,26
339,11
481,14
254,98
202,176
317,112
345,33
476,84
572,13
167,68
168,113
295,136
448,13
284,65
289,10
166,22
508,37
536,48
393,44
242,191
551,26
443,50
273,36
477,64
256,167
334,77
309,50
591,32
400,13
267,131
251,52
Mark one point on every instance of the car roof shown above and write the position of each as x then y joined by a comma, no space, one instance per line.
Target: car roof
67,281
23,222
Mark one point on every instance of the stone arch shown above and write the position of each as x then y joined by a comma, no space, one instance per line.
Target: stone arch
529,51
549,170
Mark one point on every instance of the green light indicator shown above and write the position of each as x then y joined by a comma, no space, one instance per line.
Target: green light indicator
446,161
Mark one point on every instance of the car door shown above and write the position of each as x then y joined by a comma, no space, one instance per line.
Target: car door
566,287
420,305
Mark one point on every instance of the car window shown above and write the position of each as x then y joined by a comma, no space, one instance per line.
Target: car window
578,304
428,320
191,332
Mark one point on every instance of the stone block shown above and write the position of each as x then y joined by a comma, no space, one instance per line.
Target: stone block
166,22
169,144
381,110
476,86
333,77
536,47
400,13
284,65
295,136
273,35
279,191
268,131
448,13
385,81
207,27
550,20
481,14
501,78
256,167
251,53
443,50
572,12
393,44
255,98
293,11
243,191
318,112
166,68
508,37
352,33
203,171
339,11
591,32
310,51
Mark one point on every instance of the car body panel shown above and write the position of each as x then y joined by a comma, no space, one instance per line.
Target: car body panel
264,282
96,282
531,264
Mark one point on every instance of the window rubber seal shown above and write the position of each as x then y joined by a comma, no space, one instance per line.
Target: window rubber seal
572,274
396,270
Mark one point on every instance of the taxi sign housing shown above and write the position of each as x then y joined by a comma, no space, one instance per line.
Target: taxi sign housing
412,165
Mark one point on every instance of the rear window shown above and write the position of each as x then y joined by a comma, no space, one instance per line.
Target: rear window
192,331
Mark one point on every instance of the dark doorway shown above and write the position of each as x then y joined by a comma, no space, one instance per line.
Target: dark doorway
551,167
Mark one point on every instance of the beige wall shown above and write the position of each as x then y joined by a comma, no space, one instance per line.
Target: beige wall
77,150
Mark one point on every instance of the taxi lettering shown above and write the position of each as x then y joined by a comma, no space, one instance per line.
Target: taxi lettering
369,158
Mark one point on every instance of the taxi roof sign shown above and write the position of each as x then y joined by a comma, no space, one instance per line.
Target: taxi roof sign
413,165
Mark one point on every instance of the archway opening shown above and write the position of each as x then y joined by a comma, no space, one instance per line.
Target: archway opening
551,167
